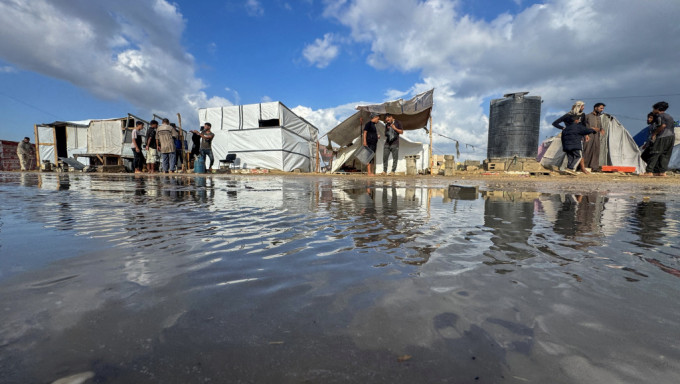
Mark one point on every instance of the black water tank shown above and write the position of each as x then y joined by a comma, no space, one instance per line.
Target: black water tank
514,123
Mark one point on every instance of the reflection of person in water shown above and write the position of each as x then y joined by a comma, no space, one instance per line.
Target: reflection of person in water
650,216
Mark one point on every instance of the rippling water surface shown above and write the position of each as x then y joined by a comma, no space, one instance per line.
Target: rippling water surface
127,279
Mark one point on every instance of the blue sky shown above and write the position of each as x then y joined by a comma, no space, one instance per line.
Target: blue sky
81,59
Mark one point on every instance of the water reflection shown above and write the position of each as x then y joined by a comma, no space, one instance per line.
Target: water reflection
279,279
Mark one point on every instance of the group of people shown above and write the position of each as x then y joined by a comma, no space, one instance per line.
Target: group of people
167,141
583,134
370,137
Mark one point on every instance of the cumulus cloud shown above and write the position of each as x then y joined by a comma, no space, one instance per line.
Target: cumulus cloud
127,49
321,52
559,49
254,8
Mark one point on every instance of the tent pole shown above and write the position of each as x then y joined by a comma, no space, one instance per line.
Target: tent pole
318,165
431,157
37,146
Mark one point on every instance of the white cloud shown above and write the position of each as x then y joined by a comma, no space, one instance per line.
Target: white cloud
266,99
321,52
254,8
560,49
127,49
8,69
327,118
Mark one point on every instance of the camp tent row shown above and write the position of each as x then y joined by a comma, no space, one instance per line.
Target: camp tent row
91,142
265,135
413,114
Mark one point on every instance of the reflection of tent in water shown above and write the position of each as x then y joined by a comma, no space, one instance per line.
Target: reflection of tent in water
619,149
413,114
101,141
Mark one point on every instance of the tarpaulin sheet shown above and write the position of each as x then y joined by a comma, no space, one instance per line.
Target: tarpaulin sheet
413,114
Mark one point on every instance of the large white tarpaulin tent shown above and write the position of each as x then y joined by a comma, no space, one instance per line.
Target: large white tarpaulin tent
620,148
413,114
265,135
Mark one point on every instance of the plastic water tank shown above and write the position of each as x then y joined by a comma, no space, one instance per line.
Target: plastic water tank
514,123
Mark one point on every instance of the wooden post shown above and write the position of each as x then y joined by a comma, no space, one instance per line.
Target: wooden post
37,146
318,163
431,157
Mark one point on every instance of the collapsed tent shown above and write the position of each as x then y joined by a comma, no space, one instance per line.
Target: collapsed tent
620,148
345,155
265,135
413,114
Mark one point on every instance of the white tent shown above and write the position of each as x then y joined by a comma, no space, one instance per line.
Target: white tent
413,114
620,148
265,135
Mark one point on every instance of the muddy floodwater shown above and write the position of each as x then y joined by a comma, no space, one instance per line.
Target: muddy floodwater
181,279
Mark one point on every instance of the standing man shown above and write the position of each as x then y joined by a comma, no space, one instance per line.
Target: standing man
591,146
25,152
392,131
137,147
206,143
151,147
178,147
662,140
370,139
165,138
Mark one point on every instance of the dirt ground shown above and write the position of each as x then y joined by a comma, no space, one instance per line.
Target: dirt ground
549,182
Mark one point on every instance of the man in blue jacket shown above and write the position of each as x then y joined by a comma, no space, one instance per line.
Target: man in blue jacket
572,138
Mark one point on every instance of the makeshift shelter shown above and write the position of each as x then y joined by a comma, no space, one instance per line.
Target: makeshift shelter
620,148
61,139
93,142
413,114
265,135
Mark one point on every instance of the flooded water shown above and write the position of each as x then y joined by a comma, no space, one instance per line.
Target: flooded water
125,279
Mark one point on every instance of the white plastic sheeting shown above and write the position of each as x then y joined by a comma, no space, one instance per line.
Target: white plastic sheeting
105,137
406,148
76,139
45,143
621,148
287,144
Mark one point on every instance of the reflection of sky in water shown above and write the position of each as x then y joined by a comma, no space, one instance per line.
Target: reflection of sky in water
177,279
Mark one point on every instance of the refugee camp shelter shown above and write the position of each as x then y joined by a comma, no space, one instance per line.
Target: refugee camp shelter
61,139
9,160
95,142
264,135
618,148
413,114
